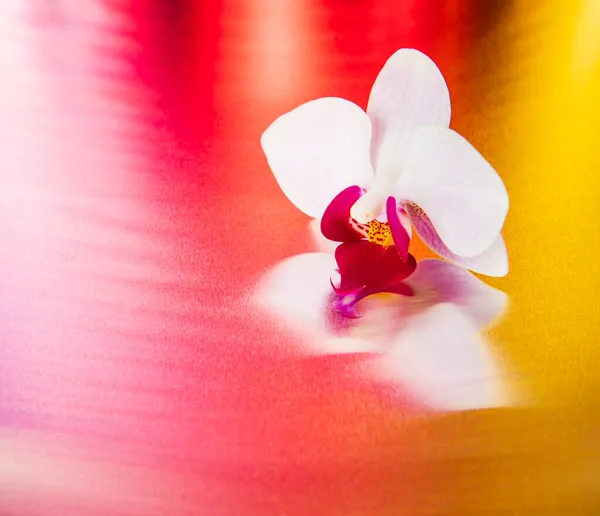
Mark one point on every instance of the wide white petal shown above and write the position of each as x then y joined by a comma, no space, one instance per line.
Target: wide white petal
409,92
317,150
444,363
456,187
492,262
437,281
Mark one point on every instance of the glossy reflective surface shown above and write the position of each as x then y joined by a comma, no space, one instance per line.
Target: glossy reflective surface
138,214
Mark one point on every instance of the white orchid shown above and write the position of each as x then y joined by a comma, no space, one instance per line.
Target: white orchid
395,164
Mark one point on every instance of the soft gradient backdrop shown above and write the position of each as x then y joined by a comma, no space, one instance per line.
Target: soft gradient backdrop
137,211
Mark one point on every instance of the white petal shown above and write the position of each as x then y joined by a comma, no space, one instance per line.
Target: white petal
444,363
317,150
456,187
409,92
437,281
492,262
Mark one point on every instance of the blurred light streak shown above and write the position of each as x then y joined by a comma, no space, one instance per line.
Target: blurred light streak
284,49
549,125
67,163
586,43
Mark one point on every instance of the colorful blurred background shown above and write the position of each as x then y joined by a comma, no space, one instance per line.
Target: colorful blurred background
137,213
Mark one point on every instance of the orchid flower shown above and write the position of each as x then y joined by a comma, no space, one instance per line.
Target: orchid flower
429,344
369,176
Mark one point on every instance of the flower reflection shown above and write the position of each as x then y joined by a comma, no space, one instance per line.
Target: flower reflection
429,344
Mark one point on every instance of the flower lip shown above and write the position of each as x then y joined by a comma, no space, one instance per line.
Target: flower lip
335,223
365,264
372,257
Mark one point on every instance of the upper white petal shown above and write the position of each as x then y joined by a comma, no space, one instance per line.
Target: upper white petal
458,189
410,91
317,150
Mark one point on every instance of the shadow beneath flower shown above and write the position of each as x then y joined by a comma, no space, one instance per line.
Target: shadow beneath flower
429,349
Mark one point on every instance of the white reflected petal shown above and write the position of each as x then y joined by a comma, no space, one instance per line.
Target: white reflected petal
437,281
297,290
443,362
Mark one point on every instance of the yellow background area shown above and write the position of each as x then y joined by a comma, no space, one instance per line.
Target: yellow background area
536,117
539,125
